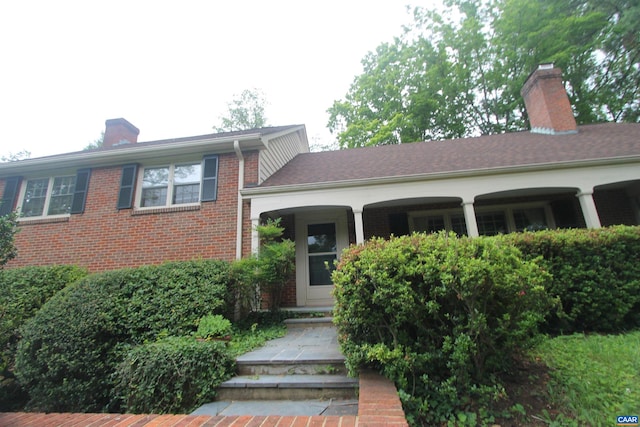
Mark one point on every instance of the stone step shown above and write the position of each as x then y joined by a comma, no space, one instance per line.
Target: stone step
301,367
288,387
309,311
309,322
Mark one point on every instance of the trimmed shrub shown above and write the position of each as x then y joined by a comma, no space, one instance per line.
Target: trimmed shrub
70,349
24,291
173,375
439,315
596,276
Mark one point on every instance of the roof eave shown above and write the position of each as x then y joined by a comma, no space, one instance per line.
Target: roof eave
133,153
257,191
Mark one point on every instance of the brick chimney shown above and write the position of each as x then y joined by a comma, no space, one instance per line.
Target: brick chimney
119,132
547,103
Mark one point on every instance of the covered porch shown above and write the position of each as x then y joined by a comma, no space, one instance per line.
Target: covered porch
323,219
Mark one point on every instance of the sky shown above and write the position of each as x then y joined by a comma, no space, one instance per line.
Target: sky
171,67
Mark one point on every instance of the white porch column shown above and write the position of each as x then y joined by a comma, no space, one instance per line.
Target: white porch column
359,225
470,218
255,239
589,210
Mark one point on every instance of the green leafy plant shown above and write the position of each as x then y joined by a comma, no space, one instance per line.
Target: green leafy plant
213,326
596,276
173,375
439,315
24,291
8,229
71,347
275,262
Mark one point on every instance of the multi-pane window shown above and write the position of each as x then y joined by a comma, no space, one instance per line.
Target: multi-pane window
171,185
490,221
48,196
531,219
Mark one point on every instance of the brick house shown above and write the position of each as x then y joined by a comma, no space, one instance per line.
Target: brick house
131,203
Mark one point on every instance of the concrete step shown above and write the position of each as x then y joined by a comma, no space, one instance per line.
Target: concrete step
309,311
309,322
300,367
288,387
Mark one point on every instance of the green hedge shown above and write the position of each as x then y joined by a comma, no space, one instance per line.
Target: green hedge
70,349
596,276
439,315
175,375
23,292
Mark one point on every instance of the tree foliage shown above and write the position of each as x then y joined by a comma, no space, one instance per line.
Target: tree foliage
14,157
8,229
246,111
459,72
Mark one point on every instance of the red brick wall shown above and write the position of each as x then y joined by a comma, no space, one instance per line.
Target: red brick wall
103,238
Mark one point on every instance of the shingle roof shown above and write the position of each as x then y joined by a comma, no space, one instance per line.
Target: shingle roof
592,142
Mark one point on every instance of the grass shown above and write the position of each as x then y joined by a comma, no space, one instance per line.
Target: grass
592,378
255,331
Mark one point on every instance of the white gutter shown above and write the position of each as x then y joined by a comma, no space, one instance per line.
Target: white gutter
238,150
129,153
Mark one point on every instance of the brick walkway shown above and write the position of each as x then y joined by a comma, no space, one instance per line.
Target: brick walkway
378,406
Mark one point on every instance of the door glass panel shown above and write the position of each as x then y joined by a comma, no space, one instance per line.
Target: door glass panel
321,238
322,249
320,269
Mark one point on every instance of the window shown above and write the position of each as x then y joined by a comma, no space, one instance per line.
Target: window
438,222
491,220
491,223
171,185
48,196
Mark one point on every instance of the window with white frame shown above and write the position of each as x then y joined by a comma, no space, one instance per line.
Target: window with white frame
47,196
171,185
490,220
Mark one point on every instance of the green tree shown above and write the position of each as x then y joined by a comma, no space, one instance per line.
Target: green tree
246,111
96,143
459,72
13,157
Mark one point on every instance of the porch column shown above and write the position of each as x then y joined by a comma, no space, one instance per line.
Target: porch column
470,218
255,239
359,225
589,210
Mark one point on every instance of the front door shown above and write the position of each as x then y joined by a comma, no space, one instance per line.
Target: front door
319,241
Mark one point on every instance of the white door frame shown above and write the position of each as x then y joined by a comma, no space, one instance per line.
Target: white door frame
316,295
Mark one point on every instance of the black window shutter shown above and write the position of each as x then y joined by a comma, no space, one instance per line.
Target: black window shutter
210,179
80,194
127,184
10,195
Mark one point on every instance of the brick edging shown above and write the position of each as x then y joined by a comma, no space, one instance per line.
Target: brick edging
378,405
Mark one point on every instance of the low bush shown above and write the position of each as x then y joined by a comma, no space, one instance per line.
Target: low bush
439,315
596,276
24,291
71,347
172,375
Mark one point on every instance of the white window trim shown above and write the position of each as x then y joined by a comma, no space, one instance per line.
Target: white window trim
47,200
170,186
506,209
